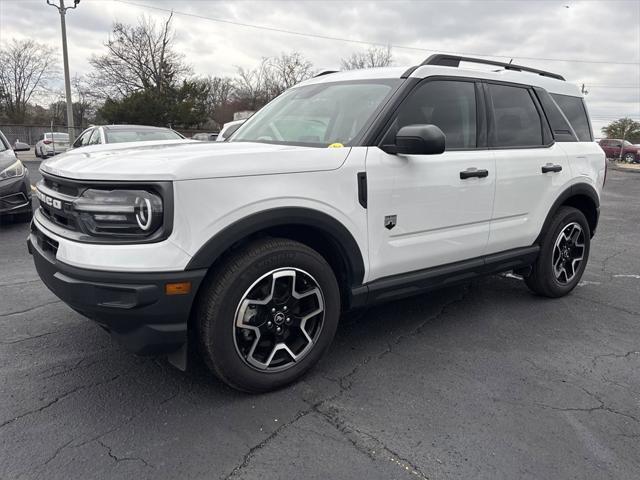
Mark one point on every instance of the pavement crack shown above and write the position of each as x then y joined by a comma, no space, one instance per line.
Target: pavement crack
26,310
615,355
24,339
56,400
368,444
608,305
122,459
420,327
17,284
602,406
246,459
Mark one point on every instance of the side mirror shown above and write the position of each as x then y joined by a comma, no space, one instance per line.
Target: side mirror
21,147
417,140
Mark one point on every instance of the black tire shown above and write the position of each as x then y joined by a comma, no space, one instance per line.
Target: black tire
225,288
543,279
629,158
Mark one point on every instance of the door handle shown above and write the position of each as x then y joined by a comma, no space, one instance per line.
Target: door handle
551,168
473,172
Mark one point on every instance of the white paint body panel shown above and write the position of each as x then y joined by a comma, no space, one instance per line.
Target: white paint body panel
440,218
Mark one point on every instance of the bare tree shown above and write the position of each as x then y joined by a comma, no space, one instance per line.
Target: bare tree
85,105
26,69
250,85
287,70
273,75
220,94
371,58
138,58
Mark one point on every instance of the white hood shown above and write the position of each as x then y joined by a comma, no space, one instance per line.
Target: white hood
187,160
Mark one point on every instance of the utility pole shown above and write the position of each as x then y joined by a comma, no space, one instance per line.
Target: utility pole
65,58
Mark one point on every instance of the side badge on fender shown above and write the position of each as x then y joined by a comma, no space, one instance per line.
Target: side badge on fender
390,221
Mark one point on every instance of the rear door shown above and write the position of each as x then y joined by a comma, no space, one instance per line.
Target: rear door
531,170
421,211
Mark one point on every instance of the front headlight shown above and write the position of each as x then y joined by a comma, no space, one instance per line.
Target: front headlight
16,169
123,213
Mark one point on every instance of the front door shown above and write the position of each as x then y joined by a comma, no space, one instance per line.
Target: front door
430,210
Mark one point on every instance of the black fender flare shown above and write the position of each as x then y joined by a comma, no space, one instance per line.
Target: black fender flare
583,189
281,217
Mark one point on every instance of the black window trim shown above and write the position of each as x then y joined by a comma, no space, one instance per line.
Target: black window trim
544,122
481,118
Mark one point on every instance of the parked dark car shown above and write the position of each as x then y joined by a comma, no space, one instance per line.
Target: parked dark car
15,186
98,134
205,137
612,146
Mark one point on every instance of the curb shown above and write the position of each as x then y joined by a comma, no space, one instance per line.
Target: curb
615,166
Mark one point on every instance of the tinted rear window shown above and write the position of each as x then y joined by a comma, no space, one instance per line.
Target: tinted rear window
573,109
58,137
517,122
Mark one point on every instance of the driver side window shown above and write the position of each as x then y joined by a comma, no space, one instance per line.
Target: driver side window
448,104
81,141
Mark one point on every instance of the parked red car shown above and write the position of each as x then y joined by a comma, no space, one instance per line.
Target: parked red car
611,147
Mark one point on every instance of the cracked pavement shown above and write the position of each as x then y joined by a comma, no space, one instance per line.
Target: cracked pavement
483,380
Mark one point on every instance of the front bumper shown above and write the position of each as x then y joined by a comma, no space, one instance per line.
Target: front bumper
133,307
15,195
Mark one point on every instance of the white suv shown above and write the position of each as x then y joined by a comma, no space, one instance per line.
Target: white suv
349,189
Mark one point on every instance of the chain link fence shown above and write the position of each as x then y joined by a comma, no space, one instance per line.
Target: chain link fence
31,133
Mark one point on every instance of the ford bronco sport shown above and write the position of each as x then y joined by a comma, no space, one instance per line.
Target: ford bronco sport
348,189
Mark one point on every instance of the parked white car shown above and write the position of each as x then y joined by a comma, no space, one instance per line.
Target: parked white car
103,134
228,129
51,143
349,189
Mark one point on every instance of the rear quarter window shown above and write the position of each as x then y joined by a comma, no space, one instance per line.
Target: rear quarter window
573,108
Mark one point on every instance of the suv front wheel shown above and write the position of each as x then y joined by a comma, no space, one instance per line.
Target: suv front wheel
267,314
564,252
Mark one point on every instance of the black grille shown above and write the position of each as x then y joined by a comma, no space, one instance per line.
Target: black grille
65,192
66,188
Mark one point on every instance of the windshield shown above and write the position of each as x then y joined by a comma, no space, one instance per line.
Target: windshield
132,135
318,115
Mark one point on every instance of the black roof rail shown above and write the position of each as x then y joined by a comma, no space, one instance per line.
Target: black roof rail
454,61
325,72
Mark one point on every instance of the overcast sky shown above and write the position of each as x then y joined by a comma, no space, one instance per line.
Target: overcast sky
531,32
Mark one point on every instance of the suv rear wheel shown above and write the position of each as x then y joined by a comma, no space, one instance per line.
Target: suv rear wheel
267,314
564,252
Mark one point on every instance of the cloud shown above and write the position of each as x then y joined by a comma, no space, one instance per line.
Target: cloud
588,30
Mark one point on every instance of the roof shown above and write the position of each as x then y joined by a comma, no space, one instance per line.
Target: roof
494,71
129,127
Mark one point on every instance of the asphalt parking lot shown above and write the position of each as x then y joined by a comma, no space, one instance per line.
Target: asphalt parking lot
479,381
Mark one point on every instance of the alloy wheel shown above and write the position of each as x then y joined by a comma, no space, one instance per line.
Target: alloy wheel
279,319
568,253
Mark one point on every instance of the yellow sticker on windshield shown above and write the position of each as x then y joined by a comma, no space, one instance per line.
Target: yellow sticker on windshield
336,145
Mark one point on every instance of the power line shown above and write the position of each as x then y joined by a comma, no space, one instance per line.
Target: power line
362,42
